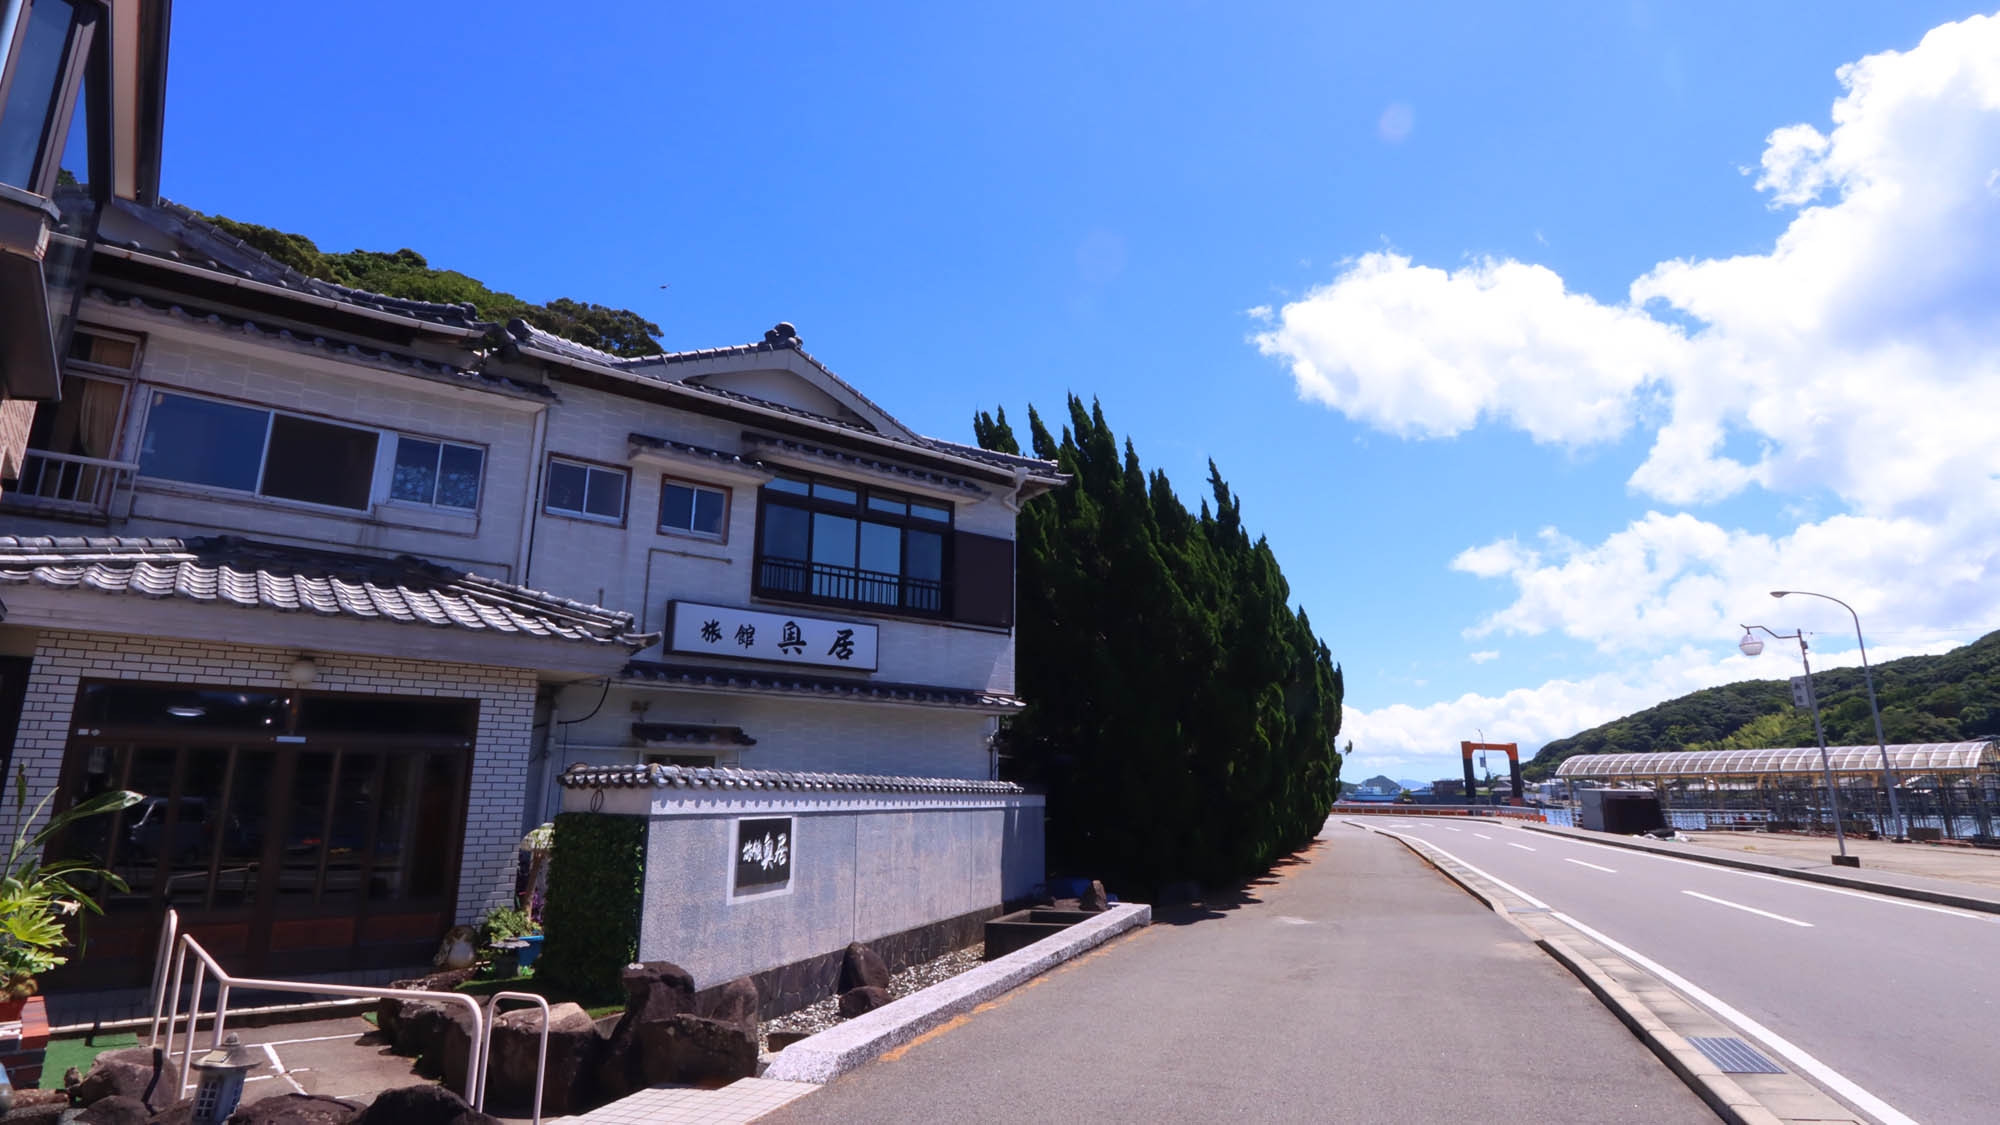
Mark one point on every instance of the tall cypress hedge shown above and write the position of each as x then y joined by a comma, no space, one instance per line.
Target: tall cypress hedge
1181,715
590,921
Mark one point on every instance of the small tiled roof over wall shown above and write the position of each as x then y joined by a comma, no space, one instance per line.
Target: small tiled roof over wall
723,777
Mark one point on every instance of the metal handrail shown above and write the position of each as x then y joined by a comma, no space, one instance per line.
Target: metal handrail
204,964
486,1053
170,928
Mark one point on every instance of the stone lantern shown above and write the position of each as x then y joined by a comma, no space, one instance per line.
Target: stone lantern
219,1081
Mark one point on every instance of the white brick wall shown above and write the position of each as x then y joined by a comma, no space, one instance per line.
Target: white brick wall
499,764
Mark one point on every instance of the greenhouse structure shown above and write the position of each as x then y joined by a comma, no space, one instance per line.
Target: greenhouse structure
1947,790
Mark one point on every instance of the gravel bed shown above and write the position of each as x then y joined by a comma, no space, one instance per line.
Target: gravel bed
826,1013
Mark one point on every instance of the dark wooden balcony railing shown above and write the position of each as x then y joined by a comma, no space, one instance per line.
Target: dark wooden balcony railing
848,585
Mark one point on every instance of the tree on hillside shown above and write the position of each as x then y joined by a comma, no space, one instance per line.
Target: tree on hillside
1943,698
1181,714
409,275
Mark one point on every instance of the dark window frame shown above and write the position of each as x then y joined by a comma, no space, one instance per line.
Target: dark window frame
624,494
779,579
379,482
432,505
80,49
722,532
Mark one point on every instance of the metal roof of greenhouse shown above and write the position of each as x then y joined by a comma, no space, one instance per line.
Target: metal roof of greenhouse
1926,757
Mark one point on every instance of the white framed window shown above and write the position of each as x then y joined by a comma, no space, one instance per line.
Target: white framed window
692,509
581,490
439,474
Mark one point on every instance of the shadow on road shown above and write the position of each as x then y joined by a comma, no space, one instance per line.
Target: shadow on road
1218,902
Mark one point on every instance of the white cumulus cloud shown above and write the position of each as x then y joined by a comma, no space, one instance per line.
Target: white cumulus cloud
1859,354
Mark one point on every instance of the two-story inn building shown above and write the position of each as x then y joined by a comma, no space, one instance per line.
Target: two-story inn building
343,582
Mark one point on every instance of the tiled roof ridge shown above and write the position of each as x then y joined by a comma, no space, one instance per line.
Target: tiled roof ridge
654,442
542,337
869,463
463,314
153,566
337,348
731,778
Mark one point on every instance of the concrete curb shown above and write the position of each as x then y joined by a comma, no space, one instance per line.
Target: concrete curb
1730,1101
1921,894
831,1053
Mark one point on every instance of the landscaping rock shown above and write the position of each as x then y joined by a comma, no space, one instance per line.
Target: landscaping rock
1093,897
859,1001
118,1109
456,1057
653,990
736,1002
657,989
127,1072
421,1105
570,1080
36,1107
295,1109
388,1011
862,967
687,1048
179,1113
420,1028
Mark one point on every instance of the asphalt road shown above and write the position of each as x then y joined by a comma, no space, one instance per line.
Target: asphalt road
1901,998
1357,986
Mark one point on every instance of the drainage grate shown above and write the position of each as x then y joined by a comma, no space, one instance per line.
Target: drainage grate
1733,1055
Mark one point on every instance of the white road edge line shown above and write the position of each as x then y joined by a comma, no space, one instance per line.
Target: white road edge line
1592,866
1887,900
1523,847
1824,1074
1748,909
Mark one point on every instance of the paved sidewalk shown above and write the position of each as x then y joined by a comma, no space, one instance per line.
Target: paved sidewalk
1356,986
1978,866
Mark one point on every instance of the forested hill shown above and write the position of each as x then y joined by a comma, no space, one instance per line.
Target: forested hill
407,274
1946,698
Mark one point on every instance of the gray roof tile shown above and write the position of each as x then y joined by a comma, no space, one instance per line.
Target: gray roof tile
242,572
727,778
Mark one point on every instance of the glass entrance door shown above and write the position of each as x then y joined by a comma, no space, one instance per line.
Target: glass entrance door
283,853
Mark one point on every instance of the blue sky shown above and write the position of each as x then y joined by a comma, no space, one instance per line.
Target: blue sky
1378,261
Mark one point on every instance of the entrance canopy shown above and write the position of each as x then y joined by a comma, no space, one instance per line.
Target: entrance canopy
1914,758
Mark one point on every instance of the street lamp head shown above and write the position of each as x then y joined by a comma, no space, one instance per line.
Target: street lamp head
1750,645
1779,593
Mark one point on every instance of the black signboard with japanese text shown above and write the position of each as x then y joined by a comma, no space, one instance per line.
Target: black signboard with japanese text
763,854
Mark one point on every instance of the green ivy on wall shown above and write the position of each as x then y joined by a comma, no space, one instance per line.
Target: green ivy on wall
590,920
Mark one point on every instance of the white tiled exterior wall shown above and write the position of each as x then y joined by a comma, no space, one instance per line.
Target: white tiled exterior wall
639,569
499,766
196,357
792,734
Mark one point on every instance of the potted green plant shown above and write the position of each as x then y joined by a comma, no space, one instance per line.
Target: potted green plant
38,897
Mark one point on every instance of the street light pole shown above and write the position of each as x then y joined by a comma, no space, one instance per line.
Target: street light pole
1868,678
1751,646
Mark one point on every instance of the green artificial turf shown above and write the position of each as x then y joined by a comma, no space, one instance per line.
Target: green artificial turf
80,1052
527,983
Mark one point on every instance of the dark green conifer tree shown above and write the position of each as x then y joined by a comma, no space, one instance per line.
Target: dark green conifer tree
1182,716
